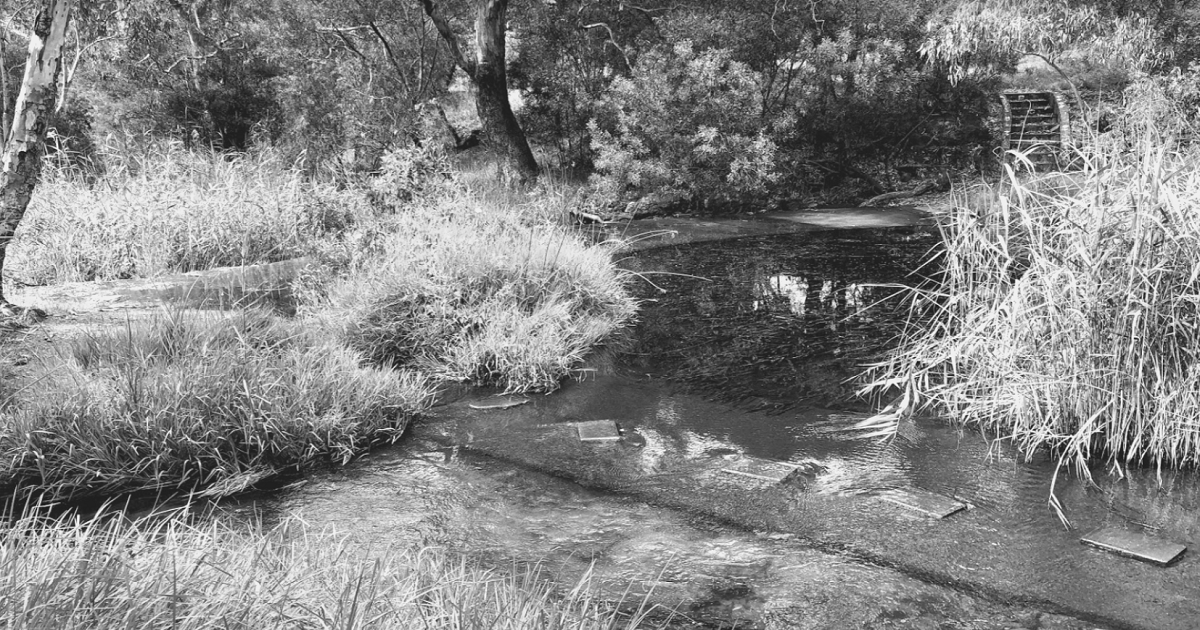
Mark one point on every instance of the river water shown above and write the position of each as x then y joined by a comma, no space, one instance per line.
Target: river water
743,351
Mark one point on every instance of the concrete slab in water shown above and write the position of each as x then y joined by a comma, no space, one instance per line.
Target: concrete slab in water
499,403
926,503
1135,545
598,431
762,469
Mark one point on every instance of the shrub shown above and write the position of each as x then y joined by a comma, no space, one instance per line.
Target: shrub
410,175
685,122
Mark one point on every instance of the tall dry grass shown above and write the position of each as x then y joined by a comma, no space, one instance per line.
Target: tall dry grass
164,209
1068,317
165,573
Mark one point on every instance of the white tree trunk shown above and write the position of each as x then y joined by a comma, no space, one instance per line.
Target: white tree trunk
21,162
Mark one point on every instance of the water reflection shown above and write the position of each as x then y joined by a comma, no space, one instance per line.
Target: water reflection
774,322
839,301
792,288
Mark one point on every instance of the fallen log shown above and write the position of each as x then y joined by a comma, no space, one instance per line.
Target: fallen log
941,184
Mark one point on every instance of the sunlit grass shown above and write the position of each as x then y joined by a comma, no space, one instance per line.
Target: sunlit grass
173,210
167,573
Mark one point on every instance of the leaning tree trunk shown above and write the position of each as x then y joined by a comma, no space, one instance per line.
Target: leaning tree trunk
500,126
21,162
501,131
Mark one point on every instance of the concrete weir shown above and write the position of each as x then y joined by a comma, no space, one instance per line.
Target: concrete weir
1007,548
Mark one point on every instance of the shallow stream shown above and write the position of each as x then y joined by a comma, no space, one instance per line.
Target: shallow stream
743,351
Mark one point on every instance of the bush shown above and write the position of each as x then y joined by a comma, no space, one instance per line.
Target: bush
685,123
410,175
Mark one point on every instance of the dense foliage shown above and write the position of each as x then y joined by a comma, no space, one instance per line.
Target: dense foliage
686,123
765,99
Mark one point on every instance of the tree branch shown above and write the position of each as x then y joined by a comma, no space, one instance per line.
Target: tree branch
443,29
612,40
387,49
217,49
341,31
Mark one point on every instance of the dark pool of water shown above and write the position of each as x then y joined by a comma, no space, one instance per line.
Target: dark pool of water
772,322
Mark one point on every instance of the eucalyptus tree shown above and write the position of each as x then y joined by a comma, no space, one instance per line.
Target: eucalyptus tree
21,162
487,70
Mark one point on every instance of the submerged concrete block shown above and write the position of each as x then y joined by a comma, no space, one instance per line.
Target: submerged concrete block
927,503
1135,545
762,469
598,431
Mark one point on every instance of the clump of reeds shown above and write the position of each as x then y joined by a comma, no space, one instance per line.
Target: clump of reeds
1068,316
194,401
174,210
166,573
474,291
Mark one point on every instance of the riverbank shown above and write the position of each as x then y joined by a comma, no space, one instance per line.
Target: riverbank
188,384
126,388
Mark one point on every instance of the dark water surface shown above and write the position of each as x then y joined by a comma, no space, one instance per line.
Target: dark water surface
775,321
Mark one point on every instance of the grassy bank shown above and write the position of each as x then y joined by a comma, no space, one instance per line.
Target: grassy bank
1069,316
424,279
441,281
165,573
465,291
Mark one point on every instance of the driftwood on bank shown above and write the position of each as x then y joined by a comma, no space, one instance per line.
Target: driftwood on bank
939,184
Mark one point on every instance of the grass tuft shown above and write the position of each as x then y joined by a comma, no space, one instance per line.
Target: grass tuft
473,291
190,400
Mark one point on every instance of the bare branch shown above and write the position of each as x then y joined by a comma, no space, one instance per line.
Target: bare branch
612,40
387,48
218,48
443,29
342,29
3,91
341,32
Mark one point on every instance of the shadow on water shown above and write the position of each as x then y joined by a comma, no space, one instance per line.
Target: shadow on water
772,322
